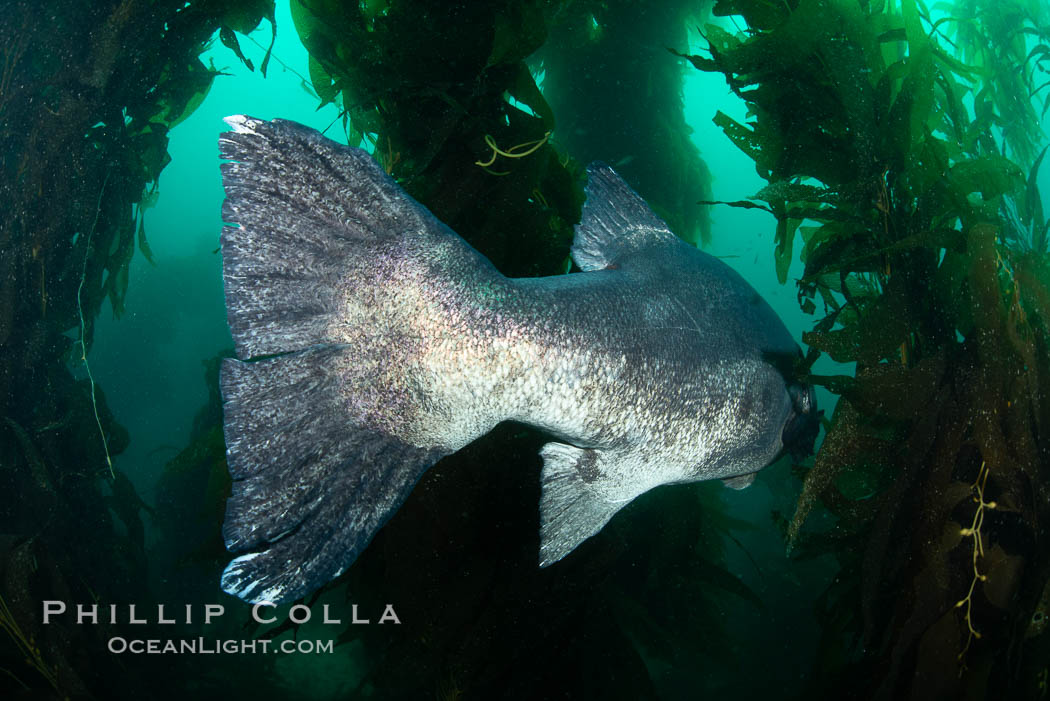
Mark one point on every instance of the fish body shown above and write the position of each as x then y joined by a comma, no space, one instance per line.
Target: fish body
388,342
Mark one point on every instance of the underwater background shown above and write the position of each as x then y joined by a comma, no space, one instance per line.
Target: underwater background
873,169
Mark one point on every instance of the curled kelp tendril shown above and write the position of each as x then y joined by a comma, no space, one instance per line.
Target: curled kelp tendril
517,151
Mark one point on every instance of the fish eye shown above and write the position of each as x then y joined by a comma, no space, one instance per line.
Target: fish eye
1038,617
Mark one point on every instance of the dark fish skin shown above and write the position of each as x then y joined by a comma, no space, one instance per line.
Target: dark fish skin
397,343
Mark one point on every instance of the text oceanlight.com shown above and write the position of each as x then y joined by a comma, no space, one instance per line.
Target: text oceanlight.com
205,646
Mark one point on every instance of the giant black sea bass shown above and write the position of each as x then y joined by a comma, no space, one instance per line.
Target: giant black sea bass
372,340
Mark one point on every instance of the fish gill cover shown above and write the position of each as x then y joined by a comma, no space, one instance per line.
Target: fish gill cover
901,146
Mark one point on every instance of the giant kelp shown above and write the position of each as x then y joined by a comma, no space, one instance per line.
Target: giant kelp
901,147
454,113
440,91
618,98
88,93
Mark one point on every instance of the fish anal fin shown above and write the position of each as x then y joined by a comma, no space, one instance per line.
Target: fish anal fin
572,508
616,222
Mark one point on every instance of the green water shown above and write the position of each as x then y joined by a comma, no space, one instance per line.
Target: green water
690,592
150,361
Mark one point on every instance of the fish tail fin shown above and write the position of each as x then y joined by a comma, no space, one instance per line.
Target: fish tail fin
322,239
310,488
327,264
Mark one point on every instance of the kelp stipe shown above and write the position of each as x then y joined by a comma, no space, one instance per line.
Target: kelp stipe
898,156
88,95
618,98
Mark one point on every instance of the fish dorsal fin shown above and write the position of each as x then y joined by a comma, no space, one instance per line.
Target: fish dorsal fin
571,511
616,221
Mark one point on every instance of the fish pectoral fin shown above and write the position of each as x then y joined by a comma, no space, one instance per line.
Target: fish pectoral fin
571,508
740,481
